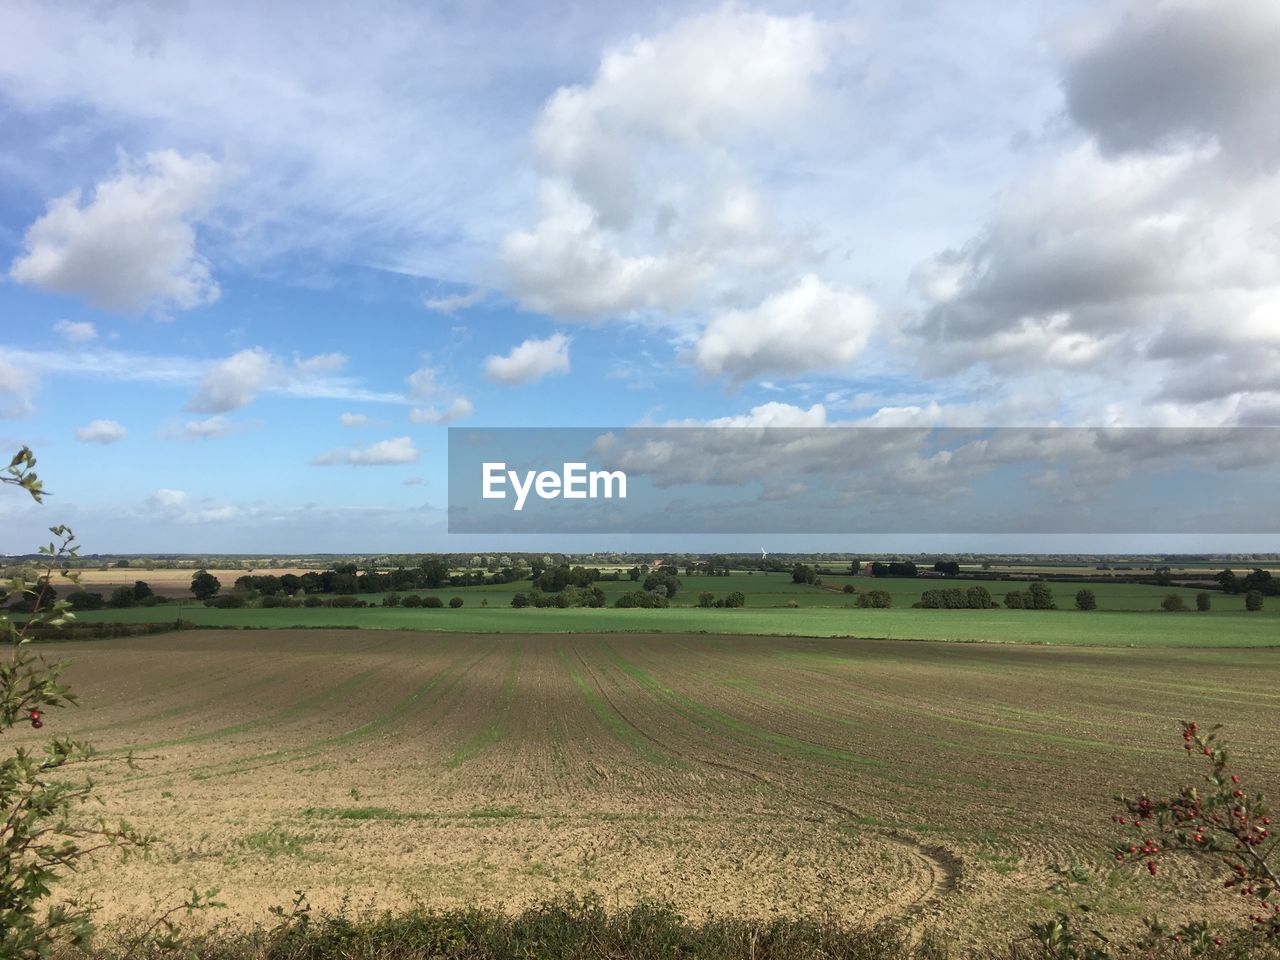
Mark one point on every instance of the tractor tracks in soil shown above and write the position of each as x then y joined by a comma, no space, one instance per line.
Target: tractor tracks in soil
944,867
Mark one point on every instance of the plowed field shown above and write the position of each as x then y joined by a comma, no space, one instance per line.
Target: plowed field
745,774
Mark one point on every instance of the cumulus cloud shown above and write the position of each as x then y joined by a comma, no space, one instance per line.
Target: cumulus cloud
707,79
530,361
101,431
399,450
75,331
235,382
640,208
133,244
1144,256
810,326
457,409
17,385
567,266
1179,72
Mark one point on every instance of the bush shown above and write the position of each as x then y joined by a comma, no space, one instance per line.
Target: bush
228,601
121,598
412,600
391,600
875,599
850,588
1017,600
520,600
706,599
346,600
455,602
312,601
1203,602
1253,600
736,598
83,600
1085,600
1173,604
435,603
642,598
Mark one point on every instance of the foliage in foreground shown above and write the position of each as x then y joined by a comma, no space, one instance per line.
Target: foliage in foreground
570,928
1216,821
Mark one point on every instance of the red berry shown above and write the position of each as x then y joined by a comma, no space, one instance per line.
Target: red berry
1151,866
37,722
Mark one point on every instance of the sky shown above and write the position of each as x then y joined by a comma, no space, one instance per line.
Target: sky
257,258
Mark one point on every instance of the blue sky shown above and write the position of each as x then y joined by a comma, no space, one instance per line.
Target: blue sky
256,258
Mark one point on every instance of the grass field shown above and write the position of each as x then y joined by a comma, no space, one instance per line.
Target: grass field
726,773
1097,628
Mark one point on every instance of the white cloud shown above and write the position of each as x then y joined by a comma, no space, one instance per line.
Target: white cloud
101,431
209,428
708,79
354,419
320,363
810,326
235,382
179,506
530,361
647,200
566,266
414,481
133,245
459,408
17,385
75,331
423,382
454,302
399,450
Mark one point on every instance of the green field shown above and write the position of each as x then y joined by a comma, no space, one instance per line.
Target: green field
1098,628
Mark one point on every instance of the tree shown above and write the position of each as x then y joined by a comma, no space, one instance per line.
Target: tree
803,573
204,585
1163,576
141,590
1229,581
736,598
1041,596
455,602
948,568
706,600
1173,603
1017,600
1085,600
1253,600
1203,603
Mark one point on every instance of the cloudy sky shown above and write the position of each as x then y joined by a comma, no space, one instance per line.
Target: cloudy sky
257,257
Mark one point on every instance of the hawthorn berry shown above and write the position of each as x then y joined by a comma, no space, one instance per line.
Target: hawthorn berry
37,722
